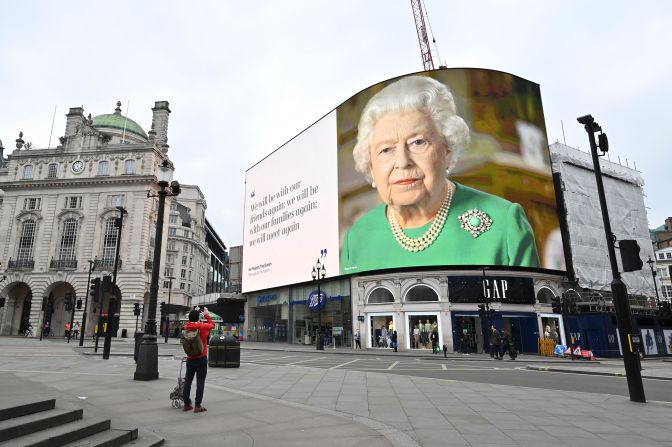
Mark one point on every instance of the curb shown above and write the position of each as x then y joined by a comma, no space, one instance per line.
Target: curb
119,354
591,373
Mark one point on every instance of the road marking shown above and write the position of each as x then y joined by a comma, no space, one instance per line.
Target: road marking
343,364
392,365
444,367
268,359
303,361
60,372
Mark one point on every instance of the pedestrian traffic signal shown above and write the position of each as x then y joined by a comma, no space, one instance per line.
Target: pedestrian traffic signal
630,255
136,309
68,301
556,305
79,304
107,284
163,306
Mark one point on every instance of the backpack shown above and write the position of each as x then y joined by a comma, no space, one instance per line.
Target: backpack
192,343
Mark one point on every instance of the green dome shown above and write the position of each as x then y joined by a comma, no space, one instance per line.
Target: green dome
117,121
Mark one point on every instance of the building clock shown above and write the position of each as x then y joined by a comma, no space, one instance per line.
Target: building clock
78,166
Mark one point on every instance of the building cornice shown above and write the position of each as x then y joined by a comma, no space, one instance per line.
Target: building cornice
66,183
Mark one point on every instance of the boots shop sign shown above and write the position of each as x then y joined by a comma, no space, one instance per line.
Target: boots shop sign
504,289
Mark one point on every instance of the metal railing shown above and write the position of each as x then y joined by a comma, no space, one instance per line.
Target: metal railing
21,264
63,264
106,264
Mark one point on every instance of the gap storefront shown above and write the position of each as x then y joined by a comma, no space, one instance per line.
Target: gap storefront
285,315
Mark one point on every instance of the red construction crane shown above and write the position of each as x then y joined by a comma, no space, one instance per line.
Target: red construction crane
423,39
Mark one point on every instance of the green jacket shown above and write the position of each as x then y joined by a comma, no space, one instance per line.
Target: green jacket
370,245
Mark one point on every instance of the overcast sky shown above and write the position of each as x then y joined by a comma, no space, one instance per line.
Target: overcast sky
244,77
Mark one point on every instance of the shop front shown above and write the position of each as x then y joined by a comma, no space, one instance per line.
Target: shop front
332,310
268,315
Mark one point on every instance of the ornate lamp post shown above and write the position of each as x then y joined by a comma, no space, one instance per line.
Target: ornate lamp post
651,262
148,356
318,274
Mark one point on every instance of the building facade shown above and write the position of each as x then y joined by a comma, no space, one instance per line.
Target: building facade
59,211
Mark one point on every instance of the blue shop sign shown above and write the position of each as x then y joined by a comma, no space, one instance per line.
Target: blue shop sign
266,298
313,302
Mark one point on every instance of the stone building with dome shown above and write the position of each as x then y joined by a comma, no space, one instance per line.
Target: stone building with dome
58,208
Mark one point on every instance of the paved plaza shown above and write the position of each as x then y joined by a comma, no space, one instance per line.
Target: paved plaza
298,404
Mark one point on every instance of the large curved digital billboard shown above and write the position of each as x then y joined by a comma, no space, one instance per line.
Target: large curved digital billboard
442,168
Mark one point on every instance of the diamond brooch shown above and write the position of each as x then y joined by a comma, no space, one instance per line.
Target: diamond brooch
475,222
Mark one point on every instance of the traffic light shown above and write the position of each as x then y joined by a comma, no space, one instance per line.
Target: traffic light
163,306
106,284
136,309
95,290
67,300
630,255
79,304
557,307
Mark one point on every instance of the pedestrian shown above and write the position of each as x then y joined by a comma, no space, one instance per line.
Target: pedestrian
393,339
197,362
75,329
434,337
358,340
95,332
495,339
67,330
46,329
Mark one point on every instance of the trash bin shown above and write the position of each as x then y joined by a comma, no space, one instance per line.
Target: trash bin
124,333
224,352
138,339
232,345
217,351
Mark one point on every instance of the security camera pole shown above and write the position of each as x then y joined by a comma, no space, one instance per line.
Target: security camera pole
618,288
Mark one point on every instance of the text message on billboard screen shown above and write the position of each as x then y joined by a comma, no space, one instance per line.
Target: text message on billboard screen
442,168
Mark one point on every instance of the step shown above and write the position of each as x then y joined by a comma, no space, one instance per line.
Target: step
148,439
15,410
63,434
107,438
31,423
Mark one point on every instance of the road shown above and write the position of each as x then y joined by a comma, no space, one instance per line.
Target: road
504,372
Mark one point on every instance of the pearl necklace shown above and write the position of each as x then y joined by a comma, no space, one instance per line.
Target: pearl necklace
428,238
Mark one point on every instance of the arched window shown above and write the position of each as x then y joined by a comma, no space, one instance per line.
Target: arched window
129,167
104,168
109,242
68,247
545,296
421,293
52,171
380,295
28,172
26,241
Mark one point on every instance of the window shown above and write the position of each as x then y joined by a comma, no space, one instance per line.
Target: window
421,293
381,295
116,200
188,287
68,240
73,202
667,291
28,172
168,271
661,255
184,260
181,286
183,274
31,203
109,241
663,273
170,258
668,255
166,284
171,231
26,241
171,245
173,218
173,206
53,170
152,240
129,167
189,275
104,168
191,260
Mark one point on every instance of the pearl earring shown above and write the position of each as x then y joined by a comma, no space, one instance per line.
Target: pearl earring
447,172
373,184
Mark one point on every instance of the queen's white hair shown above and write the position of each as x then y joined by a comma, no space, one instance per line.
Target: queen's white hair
412,93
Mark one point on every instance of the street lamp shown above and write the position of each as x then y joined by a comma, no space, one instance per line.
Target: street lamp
170,287
148,354
651,262
318,274
112,301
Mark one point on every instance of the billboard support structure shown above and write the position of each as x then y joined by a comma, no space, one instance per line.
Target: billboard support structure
618,287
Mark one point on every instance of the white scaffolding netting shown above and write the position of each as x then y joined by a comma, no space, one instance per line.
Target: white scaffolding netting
625,201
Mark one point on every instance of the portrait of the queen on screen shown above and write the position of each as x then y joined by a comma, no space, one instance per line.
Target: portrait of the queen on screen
409,138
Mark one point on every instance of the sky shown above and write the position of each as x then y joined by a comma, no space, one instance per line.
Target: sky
242,78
